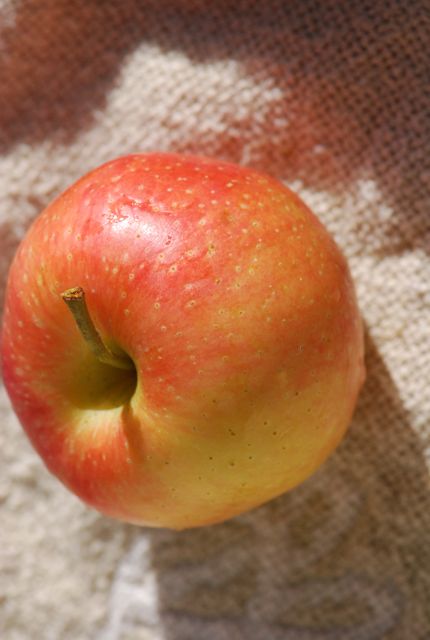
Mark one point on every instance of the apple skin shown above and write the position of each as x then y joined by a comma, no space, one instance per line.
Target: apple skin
239,312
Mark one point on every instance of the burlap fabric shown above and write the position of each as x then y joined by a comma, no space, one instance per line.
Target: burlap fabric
332,98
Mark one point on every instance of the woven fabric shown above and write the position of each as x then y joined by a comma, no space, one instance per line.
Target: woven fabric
332,98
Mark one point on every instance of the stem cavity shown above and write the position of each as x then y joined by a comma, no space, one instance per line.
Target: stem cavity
75,300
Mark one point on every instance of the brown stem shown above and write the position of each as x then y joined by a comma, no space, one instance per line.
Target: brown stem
75,300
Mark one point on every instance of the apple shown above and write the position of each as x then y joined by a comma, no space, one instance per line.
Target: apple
181,339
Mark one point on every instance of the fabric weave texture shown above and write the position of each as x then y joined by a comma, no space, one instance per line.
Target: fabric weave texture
332,98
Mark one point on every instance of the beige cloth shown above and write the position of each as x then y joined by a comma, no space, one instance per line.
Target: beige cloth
332,98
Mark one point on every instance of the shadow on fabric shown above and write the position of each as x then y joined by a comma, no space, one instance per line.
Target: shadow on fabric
347,85
337,557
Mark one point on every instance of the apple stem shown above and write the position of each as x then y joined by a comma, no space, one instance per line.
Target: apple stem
75,300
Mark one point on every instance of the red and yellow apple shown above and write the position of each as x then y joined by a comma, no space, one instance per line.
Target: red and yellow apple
212,354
